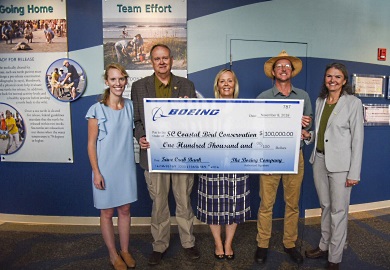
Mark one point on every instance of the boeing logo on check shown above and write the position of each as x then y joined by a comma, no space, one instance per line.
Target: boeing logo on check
158,112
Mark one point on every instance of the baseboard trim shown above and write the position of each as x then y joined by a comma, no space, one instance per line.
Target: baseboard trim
145,221
76,221
352,208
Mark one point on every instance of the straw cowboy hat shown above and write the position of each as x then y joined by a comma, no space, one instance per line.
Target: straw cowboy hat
295,61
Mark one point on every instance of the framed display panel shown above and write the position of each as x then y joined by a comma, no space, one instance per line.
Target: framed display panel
376,114
368,85
388,87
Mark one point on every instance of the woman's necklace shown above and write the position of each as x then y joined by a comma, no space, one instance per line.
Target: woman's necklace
331,103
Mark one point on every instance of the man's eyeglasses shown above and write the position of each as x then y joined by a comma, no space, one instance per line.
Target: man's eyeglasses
280,66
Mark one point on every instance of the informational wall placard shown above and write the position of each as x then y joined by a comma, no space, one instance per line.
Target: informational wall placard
368,85
34,35
388,87
376,114
131,28
222,135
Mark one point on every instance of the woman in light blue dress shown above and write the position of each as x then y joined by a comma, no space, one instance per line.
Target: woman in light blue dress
111,153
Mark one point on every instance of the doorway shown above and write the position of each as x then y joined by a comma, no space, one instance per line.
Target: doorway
246,57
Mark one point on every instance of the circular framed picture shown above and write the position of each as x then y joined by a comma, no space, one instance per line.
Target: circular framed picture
66,80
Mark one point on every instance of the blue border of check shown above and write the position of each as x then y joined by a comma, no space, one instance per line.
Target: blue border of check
163,100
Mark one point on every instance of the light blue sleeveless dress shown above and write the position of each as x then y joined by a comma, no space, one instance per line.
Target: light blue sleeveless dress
115,154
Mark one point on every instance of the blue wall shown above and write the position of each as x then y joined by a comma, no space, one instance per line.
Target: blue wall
345,32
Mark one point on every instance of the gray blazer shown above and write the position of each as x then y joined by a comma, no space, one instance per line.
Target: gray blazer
145,88
343,137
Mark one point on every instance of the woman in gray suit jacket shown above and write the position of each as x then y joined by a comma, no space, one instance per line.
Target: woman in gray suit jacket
336,159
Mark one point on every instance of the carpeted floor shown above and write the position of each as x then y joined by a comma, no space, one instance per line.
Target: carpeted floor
81,247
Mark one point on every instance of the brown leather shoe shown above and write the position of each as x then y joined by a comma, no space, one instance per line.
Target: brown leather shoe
119,264
192,253
155,258
316,253
128,259
261,255
295,255
333,266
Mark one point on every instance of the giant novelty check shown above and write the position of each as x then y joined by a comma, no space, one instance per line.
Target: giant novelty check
223,135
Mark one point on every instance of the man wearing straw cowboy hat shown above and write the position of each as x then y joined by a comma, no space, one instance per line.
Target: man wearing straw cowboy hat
281,69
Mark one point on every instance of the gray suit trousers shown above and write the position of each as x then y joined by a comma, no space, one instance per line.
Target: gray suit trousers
334,199
158,185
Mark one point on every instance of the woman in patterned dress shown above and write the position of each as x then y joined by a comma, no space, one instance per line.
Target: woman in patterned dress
223,198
